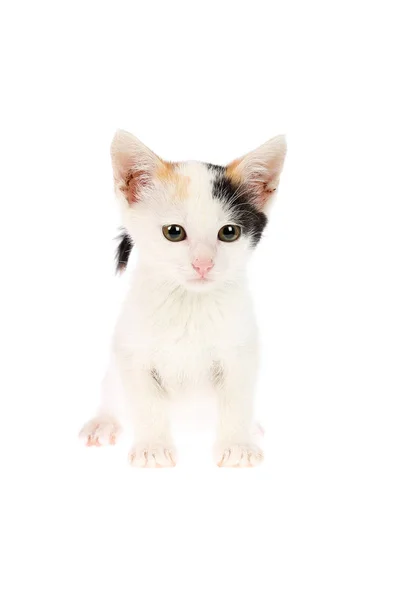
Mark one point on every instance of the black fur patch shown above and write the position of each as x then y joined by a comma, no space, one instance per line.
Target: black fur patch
238,199
215,168
123,251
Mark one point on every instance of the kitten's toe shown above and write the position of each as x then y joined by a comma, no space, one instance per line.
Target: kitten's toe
100,432
238,455
152,456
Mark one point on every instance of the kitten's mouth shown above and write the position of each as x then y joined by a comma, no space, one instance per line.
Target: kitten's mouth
199,281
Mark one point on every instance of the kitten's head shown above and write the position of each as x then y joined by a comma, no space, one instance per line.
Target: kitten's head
196,223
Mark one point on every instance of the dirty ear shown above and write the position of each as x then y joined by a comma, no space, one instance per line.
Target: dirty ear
260,170
134,164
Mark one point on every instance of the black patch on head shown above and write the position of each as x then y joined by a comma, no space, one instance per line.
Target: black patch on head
215,168
123,251
239,201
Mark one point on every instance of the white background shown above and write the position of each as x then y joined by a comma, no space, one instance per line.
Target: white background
209,81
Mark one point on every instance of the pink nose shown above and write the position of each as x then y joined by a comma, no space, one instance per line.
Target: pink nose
202,266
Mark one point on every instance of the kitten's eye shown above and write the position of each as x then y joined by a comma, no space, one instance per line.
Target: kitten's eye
229,233
174,233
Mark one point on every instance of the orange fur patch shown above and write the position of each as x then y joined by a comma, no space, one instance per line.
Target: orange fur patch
233,171
168,172
165,172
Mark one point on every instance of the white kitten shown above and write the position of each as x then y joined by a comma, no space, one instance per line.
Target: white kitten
188,318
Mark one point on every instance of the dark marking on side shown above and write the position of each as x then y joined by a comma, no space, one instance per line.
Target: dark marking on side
217,373
155,375
123,251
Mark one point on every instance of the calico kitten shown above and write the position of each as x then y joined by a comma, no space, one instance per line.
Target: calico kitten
188,317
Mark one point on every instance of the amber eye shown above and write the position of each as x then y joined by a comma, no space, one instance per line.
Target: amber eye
229,233
174,233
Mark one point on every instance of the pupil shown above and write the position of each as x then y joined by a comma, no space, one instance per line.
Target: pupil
174,231
228,231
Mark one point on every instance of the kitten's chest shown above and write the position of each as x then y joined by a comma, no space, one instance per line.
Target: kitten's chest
187,361
192,340
185,338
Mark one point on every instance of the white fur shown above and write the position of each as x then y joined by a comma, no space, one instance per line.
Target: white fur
175,327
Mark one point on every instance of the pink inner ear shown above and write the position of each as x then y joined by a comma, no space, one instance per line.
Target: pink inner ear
262,183
263,190
134,181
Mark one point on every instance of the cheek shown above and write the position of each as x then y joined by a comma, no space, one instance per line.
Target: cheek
176,254
232,255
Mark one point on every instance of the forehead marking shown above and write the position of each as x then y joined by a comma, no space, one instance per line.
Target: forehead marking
167,172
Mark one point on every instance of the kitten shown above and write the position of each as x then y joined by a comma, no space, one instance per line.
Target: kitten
188,318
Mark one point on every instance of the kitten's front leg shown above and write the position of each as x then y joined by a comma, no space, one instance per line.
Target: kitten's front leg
234,379
147,408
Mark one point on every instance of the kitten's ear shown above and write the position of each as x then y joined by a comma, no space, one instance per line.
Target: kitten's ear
134,164
260,170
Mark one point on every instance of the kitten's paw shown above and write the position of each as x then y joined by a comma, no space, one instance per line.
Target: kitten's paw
100,432
238,455
152,455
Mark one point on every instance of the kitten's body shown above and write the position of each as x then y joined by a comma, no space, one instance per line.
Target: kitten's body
184,326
